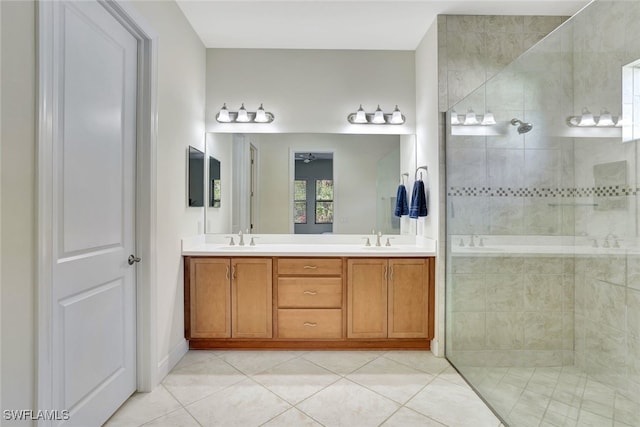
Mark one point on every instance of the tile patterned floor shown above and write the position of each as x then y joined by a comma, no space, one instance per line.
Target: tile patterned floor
553,396
317,388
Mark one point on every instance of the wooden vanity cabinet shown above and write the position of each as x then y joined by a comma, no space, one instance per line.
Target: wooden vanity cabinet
309,298
229,298
251,298
302,303
209,298
388,298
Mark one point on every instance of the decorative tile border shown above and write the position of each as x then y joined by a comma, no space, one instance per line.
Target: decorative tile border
611,191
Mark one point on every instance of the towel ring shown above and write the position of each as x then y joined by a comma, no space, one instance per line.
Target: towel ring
402,177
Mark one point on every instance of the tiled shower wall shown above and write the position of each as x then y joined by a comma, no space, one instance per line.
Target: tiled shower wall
471,50
607,294
512,311
545,183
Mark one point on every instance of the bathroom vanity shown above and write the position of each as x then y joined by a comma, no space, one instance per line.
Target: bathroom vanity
314,295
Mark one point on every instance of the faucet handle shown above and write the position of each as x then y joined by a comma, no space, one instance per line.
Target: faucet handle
388,241
368,243
252,243
231,242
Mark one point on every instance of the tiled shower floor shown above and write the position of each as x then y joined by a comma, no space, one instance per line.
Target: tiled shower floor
562,396
319,388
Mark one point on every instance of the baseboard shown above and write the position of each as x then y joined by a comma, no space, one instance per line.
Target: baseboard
170,360
435,348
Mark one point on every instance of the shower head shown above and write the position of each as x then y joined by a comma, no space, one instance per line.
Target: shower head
522,126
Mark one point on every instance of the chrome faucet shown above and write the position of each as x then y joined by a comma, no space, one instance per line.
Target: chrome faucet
377,236
241,236
606,241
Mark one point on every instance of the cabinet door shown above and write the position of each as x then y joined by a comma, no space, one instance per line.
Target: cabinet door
210,298
251,298
367,298
408,298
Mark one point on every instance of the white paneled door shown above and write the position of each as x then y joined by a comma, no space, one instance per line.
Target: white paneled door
94,181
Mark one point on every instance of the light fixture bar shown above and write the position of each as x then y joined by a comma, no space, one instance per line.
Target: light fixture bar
244,116
360,117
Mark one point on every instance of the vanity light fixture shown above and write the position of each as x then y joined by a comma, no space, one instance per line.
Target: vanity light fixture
473,119
379,117
587,119
244,116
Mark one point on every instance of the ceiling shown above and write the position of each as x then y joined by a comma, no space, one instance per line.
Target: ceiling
351,24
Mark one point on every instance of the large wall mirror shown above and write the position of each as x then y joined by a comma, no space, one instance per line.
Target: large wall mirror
310,183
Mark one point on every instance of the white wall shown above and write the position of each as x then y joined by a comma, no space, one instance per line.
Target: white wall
181,108
428,153
354,173
18,205
310,90
219,145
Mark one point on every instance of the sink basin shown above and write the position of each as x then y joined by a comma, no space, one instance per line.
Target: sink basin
236,248
379,248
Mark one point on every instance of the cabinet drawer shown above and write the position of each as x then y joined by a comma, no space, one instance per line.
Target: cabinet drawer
310,323
310,292
310,266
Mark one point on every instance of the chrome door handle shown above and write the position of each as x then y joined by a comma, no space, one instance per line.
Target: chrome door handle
132,258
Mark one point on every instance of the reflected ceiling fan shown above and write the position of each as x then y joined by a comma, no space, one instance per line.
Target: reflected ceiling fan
306,158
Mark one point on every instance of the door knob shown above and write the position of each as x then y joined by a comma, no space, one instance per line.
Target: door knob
132,258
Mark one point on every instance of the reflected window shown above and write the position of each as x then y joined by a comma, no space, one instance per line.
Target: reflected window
300,201
324,201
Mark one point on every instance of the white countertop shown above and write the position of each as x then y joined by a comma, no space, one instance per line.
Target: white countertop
317,245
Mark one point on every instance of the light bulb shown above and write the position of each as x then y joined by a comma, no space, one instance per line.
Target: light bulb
223,115
605,118
261,116
396,116
378,116
470,118
454,118
243,117
488,119
587,118
361,117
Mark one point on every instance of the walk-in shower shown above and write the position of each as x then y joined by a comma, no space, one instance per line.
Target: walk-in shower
543,319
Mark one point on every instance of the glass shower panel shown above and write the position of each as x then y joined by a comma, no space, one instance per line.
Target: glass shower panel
543,265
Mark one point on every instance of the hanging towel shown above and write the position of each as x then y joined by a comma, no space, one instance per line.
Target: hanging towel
418,201
402,206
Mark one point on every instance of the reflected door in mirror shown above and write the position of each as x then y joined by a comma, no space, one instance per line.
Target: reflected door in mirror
215,185
195,178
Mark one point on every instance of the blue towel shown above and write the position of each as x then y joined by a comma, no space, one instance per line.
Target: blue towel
402,206
418,201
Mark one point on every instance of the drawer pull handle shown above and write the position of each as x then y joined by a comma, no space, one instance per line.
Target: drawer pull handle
227,273
310,292
311,267
313,325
